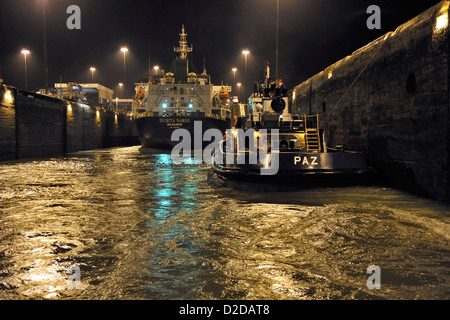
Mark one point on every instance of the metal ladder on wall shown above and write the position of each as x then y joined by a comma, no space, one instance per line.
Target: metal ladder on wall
312,133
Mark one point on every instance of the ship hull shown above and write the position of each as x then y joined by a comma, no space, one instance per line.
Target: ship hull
300,168
156,132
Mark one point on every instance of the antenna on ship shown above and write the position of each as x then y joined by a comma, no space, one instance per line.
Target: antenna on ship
183,49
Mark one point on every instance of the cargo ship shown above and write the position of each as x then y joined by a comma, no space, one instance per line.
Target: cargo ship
278,146
179,99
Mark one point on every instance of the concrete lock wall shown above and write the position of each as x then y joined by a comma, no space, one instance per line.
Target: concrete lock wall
35,126
39,125
7,123
90,128
390,99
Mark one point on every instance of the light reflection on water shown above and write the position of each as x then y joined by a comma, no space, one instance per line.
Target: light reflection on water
140,227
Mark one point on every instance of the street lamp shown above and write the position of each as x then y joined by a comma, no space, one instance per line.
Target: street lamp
25,52
156,69
121,88
92,73
246,53
124,51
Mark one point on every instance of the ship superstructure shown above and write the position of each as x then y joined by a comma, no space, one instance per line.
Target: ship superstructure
176,99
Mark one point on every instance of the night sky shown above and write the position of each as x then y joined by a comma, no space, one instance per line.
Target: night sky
313,35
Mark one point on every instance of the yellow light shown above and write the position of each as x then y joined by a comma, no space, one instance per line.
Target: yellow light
98,114
124,50
246,52
92,69
8,96
69,107
442,21
25,51
330,74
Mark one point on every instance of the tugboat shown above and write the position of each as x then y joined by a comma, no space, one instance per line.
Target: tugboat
177,100
272,145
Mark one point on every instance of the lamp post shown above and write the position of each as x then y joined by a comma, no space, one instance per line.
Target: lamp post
246,53
124,51
239,89
92,73
45,43
277,41
234,76
25,52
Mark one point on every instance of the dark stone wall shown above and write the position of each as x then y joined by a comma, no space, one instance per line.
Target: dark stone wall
83,128
39,125
7,123
90,128
390,99
36,126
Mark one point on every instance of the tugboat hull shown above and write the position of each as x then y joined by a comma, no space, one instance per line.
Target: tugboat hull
307,169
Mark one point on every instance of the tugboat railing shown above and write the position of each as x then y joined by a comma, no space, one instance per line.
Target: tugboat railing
305,123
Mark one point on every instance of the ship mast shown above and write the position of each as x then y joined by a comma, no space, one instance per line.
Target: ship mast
183,49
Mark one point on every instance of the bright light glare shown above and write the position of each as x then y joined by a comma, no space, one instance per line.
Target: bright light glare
25,51
8,96
442,21
124,49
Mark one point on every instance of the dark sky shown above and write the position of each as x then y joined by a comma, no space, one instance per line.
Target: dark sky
313,35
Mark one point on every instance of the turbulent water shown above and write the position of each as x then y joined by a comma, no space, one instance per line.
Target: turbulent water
138,226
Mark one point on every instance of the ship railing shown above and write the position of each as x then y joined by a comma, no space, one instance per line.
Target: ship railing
217,116
305,123
179,113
